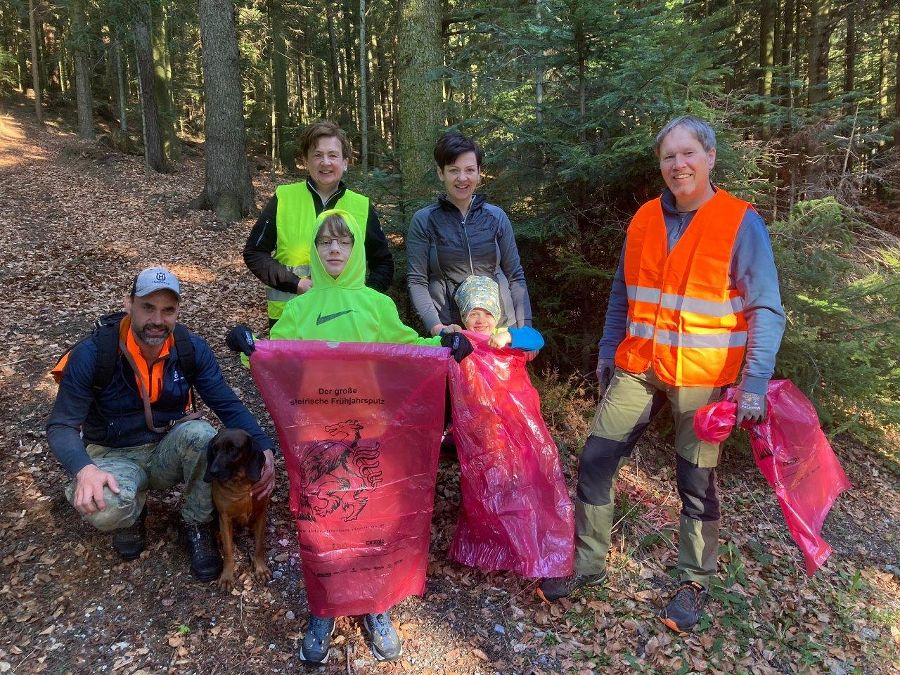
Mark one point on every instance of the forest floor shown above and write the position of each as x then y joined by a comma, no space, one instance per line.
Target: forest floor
78,220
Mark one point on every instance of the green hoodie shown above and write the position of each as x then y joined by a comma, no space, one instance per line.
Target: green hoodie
344,309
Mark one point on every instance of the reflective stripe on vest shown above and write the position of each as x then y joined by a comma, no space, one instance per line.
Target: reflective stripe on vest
668,337
680,302
684,319
274,295
294,223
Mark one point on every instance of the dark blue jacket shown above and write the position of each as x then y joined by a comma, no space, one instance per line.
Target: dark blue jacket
114,417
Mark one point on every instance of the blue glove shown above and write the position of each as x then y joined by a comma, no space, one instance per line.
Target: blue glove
750,407
459,344
240,339
605,370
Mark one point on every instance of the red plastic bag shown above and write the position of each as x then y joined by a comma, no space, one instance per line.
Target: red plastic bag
794,456
360,428
516,512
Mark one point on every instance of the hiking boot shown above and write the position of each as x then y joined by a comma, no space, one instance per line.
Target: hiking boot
200,540
554,588
685,607
129,541
317,639
385,642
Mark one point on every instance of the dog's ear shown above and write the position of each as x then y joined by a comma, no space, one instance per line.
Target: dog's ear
256,464
211,456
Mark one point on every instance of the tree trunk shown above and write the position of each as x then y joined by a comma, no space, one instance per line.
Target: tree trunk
581,60
154,157
819,41
120,88
303,88
22,48
45,53
539,75
363,94
382,76
337,109
81,42
897,81
227,189
767,11
162,80
283,145
420,104
35,66
850,47
369,55
349,51
321,109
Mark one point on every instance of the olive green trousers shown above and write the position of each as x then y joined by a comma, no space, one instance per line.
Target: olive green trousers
628,406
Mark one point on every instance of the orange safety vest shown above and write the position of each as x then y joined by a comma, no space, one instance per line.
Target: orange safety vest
684,318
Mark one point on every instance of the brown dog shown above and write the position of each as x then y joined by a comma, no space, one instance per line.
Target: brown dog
233,465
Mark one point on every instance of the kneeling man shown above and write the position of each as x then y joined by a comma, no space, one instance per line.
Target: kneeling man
121,423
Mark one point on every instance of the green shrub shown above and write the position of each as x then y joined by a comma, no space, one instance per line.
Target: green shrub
7,71
840,284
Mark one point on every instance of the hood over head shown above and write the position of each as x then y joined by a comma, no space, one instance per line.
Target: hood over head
354,274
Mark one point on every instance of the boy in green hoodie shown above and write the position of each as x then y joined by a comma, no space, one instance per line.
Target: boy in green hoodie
340,307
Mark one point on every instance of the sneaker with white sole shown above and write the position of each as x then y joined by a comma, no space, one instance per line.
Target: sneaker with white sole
317,639
384,641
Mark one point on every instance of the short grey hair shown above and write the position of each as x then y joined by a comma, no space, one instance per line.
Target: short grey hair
700,129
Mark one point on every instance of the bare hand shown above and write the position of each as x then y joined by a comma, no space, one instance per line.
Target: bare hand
262,488
304,285
500,340
89,483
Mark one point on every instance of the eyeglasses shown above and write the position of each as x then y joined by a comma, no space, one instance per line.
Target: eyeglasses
326,242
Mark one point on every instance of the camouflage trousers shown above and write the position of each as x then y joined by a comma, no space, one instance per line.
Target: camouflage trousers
180,457
630,403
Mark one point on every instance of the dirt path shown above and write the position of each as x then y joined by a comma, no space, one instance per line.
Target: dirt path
76,222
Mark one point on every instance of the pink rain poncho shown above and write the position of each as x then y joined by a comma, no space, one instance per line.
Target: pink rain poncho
360,426
516,512
794,456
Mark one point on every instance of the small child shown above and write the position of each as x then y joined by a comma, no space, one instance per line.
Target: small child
340,307
515,510
478,299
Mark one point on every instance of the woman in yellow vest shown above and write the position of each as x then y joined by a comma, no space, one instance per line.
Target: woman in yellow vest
277,250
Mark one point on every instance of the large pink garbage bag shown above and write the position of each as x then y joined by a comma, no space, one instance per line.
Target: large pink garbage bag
516,512
360,428
795,457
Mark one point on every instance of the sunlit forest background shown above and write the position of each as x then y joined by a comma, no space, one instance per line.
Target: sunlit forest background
565,96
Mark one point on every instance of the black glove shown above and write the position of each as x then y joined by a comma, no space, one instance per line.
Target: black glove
751,407
240,339
459,344
605,370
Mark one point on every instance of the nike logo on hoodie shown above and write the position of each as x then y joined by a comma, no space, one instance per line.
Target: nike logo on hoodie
328,317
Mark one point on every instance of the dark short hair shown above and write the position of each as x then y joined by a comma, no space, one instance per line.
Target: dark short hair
451,145
324,129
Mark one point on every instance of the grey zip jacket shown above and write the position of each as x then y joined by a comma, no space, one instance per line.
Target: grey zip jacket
443,249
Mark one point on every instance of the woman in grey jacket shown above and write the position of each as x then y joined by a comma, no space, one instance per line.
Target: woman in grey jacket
459,236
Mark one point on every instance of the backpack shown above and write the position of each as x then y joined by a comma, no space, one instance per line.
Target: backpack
106,336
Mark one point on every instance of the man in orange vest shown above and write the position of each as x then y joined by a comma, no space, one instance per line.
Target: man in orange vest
695,296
